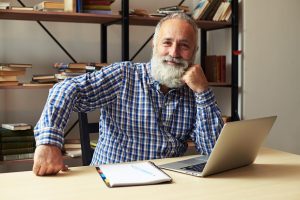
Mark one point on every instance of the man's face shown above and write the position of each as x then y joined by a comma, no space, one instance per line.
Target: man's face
177,39
173,52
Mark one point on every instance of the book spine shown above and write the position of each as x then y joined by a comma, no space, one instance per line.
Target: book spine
16,151
19,133
95,2
79,5
29,138
16,156
96,7
16,145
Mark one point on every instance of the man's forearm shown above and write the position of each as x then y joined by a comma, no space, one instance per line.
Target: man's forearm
208,123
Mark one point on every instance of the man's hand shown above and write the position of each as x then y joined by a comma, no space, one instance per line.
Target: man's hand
194,77
48,160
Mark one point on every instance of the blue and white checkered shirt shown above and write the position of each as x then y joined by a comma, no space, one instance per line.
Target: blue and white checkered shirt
137,121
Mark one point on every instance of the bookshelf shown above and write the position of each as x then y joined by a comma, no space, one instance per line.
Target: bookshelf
97,19
125,20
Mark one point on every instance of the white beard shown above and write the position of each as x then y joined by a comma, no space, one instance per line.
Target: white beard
165,74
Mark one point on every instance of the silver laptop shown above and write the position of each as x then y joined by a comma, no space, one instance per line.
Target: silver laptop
237,146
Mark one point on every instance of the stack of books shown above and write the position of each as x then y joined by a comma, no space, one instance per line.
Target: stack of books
9,73
18,143
213,10
75,69
4,5
44,79
172,9
72,148
215,68
51,6
97,6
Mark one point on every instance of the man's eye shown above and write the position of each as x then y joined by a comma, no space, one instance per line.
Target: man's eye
185,46
167,43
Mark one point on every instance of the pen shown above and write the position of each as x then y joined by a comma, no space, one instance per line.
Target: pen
142,170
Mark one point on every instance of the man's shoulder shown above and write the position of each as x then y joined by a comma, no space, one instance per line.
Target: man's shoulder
139,68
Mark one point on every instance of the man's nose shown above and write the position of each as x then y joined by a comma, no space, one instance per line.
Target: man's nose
174,51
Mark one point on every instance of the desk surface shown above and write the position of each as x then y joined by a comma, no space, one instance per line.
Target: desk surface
274,175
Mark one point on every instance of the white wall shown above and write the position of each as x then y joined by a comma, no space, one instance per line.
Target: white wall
272,68
26,42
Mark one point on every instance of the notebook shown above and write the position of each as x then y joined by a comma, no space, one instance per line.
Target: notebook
237,146
135,173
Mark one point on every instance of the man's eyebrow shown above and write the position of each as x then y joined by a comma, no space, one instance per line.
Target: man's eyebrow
171,39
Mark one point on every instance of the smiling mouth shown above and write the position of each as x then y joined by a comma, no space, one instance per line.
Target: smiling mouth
173,63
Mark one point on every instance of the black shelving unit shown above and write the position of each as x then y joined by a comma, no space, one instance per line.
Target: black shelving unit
234,58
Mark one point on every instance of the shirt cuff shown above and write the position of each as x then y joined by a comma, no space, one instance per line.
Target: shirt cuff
205,98
49,136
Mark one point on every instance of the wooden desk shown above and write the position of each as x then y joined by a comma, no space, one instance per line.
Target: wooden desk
274,175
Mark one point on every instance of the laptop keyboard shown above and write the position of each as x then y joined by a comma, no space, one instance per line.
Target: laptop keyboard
197,167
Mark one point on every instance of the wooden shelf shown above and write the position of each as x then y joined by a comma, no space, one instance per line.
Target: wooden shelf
152,21
58,16
96,18
217,84
39,86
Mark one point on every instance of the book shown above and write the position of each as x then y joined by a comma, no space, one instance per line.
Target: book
73,152
175,7
18,65
17,126
135,173
17,151
16,156
70,5
215,68
6,68
93,143
211,10
222,11
72,147
22,8
25,138
63,66
8,78
9,83
4,5
200,9
15,133
44,78
12,73
37,84
226,13
16,145
96,7
97,2
49,6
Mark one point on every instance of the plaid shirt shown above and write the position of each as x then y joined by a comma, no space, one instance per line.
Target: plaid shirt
137,121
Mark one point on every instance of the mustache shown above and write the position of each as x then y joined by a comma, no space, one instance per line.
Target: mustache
178,61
